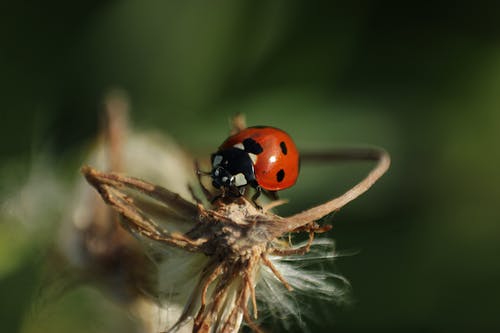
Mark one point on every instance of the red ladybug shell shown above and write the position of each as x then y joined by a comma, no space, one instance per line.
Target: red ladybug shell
277,164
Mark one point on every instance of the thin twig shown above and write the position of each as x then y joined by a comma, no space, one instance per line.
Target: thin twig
342,155
300,250
275,271
116,110
211,278
313,214
238,123
164,196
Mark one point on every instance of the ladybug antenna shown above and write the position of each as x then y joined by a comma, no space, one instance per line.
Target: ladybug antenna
200,172
206,192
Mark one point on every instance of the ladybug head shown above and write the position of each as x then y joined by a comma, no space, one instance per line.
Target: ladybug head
232,168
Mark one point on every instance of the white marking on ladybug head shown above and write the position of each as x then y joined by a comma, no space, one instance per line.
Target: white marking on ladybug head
239,179
253,157
216,172
217,160
239,146
224,179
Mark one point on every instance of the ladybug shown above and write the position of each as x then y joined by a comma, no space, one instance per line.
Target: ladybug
265,158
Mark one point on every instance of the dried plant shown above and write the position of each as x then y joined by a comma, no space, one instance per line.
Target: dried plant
92,247
221,254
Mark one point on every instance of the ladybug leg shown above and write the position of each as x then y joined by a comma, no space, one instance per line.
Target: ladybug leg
193,194
242,190
206,192
273,195
258,192
216,197
222,194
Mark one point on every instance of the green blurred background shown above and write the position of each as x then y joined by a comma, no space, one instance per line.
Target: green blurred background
419,79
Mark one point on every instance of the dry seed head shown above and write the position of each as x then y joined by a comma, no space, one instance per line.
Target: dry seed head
225,261
238,240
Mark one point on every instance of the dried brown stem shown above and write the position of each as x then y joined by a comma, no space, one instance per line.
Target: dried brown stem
249,321
241,305
108,186
237,236
116,109
342,155
164,196
219,299
275,271
248,282
211,278
313,214
301,250
238,123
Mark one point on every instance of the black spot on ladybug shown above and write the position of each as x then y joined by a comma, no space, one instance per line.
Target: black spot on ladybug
284,150
280,175
252,146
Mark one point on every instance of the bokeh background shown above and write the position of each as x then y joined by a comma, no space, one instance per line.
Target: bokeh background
419,79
